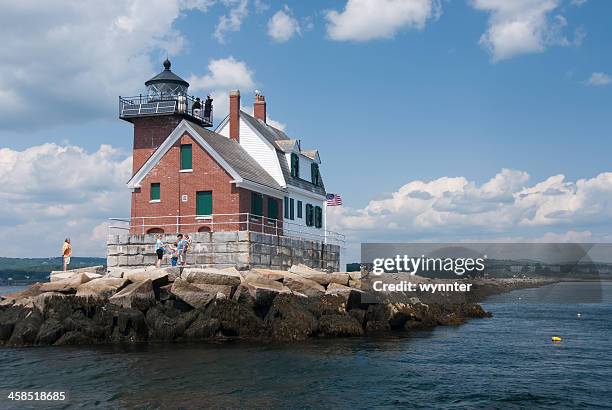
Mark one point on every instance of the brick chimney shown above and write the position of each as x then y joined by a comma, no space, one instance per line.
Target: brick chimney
234,115
259,107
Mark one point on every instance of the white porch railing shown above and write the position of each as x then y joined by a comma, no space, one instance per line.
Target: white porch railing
222,222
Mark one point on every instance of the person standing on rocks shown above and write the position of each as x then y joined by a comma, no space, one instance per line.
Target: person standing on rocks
160,248
182,249
66,253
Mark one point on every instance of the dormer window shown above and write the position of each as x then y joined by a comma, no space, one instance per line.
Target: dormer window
314,173
295,165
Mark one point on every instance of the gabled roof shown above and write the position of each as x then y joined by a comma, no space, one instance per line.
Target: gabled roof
297,182
286,145
267,131
226,151
280,141
313,155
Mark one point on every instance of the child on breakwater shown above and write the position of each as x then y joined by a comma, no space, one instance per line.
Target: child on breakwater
173,250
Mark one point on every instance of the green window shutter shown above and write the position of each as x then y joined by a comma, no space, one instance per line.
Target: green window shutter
286,208
299,209
155,192
314,173
272,208
291,209
295,165
186,156
318,217
309,215
204,203
256,203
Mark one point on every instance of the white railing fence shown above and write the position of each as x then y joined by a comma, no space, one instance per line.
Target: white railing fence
222,222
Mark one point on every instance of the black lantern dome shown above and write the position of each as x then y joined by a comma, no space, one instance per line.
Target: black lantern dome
166,84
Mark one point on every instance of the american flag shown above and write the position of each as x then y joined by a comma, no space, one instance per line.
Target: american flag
334,200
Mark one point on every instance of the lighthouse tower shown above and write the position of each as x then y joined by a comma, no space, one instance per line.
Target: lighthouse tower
156,113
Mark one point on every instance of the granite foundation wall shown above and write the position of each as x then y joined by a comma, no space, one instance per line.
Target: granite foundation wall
225,249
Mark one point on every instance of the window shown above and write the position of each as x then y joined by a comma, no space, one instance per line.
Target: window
291,209
204,203
318,217
286,208
256,203
155,192
186,157
309,215
299,209
272,208
295,165
314,173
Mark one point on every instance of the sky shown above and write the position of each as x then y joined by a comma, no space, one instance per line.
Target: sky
436,120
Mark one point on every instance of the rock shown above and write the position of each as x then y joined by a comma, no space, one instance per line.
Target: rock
308,273
165,292
300,269
339,325
9,317
351,295
41,301
137,295
270,274
50,331
212,276
60,275
158,277
25,330
339,278
25,296
235,320
355,284
97,330
264,290
202,328
92,271
303,286
102,288
243,296
130,327
377,318
74,338
289,319
66,285
167,324
198,295
354,275
114,273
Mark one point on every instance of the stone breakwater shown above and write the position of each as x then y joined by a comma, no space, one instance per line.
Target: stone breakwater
90,306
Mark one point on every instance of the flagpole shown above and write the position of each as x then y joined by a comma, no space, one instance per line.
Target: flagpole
325,220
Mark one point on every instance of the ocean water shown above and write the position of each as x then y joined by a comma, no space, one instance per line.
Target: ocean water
507,361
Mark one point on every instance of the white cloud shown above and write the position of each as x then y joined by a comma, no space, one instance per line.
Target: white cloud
523,26
282,25
224,75
456,208
68,61
599,79
578,3
52,191
363,20
232,21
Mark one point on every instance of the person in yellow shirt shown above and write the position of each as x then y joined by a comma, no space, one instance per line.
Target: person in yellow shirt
66,253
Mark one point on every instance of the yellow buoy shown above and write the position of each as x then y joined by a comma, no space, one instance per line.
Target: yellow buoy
555,339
